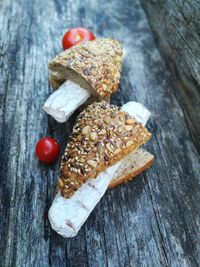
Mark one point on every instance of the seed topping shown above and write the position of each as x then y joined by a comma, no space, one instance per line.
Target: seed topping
102,135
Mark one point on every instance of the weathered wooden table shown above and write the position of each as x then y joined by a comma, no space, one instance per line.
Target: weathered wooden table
151,221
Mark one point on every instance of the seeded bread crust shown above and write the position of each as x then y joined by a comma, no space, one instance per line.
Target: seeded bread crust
102,135
134,164
94,65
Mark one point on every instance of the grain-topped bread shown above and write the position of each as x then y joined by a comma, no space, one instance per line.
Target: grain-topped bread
131,166
102,136
94,65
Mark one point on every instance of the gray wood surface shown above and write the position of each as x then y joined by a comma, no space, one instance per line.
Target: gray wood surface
176,26
151,221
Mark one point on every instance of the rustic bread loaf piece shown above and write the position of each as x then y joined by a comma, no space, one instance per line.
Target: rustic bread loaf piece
67,215
102,136
131,166
94,65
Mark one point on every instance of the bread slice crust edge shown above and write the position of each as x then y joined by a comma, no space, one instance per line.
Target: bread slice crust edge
132,173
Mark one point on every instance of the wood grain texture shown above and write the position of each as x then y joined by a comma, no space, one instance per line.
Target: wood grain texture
176,26
151,221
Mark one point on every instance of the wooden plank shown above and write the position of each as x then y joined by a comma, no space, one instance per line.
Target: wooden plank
178,40
152,221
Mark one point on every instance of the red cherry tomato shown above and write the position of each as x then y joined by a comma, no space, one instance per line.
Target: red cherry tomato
47,149
75,36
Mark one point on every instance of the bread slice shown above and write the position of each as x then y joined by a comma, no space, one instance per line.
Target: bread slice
55,80
103,135
131,166
94,65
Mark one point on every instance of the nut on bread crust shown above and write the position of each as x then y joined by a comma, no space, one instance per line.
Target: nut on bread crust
94,65
131,166
102,135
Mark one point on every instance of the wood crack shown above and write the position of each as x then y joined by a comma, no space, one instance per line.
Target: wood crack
187,119
158,224
125,233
